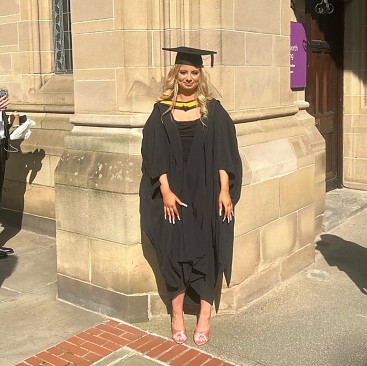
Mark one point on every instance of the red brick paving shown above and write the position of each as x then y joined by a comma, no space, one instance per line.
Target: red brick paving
95,343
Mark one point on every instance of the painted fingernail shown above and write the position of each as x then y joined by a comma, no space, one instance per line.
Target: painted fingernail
165,217
220,212
169,219
173,220
179,218
184,204
224,219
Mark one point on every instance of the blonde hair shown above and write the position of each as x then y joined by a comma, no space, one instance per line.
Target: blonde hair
203,93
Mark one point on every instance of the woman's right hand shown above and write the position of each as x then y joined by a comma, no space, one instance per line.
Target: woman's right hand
170,201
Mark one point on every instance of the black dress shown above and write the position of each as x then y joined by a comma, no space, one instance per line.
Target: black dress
198,248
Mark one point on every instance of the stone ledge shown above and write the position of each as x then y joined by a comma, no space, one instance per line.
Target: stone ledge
37,224
102,301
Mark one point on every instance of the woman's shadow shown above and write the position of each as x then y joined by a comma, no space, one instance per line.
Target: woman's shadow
347,256
26,166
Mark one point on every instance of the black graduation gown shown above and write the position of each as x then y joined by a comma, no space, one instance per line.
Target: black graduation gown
198,248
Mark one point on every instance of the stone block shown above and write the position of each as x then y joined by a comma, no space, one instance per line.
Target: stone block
95,138
73,255
103,301
102,25
278,239
352,104
95,96
9,7
54,160
306,226
256,286
246,256
223,81
355,170
246,169
320,167
297,190
121,268
5,64
32,167
286,13
270,159
286,93
315,139
159,304
135,15
355,146
103,171
44,10
258,205
213,18
94,74
30,198
137,56
43,142
40,200
22,63
319,224
255,16
257,86
8,34
227,14
280,44
90,10
103,215
297,261
229,39
303,151
320,198
259,49
85,57
138,89
25,10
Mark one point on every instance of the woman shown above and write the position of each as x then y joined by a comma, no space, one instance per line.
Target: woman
191,181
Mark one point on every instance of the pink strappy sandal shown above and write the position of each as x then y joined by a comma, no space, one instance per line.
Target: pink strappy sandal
201,338
179,336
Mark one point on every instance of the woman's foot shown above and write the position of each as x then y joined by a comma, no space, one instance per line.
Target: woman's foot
202,331
178,329
201,338
179,336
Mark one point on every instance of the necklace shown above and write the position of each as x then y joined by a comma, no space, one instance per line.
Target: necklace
185,106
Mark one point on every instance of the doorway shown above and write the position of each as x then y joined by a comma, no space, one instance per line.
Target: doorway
324,89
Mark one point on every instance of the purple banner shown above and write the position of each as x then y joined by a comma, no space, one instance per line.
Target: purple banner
298,55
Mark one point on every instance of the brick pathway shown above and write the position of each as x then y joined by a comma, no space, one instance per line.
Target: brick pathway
98,342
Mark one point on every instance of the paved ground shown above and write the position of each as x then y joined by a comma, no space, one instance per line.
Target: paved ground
317,318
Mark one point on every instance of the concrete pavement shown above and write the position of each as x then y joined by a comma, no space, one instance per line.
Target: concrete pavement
317,318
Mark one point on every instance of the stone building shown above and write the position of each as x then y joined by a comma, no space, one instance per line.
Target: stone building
88,75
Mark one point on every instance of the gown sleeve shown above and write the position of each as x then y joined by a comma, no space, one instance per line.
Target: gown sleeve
227,156
154,150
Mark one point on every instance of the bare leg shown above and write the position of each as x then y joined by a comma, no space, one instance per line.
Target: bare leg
201,334
178,324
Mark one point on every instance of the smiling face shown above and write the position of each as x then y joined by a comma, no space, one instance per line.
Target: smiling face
188,78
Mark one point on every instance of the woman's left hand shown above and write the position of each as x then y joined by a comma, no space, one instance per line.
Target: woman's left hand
4,102
225,206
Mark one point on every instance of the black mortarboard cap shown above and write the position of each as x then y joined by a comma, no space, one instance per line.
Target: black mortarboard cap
191,56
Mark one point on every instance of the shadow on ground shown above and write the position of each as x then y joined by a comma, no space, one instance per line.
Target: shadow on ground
347,256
